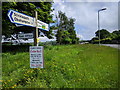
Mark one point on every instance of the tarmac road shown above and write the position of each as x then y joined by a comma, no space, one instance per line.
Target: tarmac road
112,45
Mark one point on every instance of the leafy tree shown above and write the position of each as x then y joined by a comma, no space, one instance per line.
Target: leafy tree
116,32
66,33
72,31
106,37
94,39
103,33
28,8
116,36
113,35
66,39
61,27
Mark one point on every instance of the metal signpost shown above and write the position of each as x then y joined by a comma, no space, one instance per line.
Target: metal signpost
36,52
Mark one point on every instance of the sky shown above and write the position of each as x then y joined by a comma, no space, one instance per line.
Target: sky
86,15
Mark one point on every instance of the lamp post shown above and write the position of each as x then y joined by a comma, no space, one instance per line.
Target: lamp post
99,22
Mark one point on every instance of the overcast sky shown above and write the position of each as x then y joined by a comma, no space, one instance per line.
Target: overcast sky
86,15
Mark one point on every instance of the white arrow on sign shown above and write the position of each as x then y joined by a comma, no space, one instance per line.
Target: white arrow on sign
22,19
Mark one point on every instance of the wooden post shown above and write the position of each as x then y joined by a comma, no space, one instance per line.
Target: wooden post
36,31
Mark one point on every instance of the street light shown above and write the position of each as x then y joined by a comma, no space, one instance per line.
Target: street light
99,22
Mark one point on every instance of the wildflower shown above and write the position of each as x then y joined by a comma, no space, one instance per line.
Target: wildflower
12,87
15,85
1,80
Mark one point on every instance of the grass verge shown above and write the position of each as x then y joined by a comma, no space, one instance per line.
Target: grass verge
66,66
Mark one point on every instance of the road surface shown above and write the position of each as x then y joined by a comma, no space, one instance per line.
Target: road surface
112,45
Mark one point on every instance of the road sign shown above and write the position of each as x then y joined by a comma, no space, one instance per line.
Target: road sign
42,25
36,57
20,18
26,35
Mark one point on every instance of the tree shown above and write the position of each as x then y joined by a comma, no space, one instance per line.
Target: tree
117,32
66,39
72,31
28,8
106,37
116,37
61,27
66,33
103,33
94,40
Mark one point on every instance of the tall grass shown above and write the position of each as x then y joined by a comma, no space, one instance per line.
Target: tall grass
66,66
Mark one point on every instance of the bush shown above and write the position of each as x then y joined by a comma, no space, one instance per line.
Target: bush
15,48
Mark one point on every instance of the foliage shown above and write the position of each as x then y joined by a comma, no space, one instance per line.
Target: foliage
107,37
28,8
66,66
103,34
94,39
116,35
66,33
116,32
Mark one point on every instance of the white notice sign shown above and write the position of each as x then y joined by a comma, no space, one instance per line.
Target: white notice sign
26,35
36,57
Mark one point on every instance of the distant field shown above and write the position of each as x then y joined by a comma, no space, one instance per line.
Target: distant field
66,66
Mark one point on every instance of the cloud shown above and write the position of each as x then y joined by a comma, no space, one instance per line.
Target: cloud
80,37
92,0
86,14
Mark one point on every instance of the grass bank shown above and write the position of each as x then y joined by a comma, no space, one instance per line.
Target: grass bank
66,66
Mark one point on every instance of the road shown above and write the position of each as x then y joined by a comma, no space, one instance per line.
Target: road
112,45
